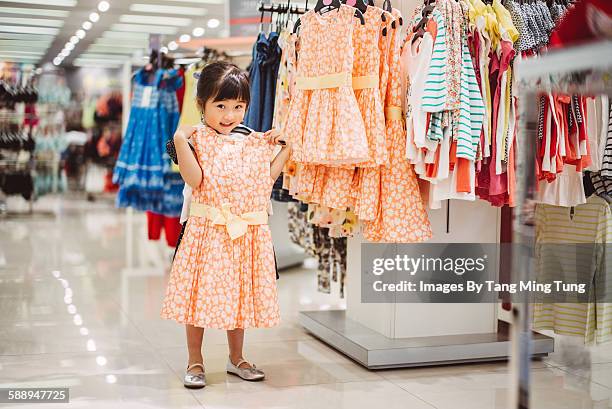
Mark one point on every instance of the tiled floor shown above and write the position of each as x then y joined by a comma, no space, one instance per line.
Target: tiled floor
79,308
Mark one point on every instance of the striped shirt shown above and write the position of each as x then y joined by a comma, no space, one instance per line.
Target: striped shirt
436,91
602,185
606,164
471,108
587,224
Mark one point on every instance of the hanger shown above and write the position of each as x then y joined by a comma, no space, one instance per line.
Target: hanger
363,7
419,29
321,8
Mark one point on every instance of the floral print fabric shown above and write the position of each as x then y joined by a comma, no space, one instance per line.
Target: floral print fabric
216,282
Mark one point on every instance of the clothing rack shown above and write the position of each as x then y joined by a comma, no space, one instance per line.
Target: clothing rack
281,8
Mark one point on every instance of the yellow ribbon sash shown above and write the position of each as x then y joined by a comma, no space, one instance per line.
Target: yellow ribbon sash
237,225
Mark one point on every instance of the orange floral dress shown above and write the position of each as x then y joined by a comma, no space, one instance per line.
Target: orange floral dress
325,124
400,213
217,282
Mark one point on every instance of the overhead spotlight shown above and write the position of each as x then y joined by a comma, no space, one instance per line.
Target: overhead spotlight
163,50
65,53
94,17
81,34
172,45
213,23
198,32
74,40
56,61
103,6
69,46
184,38
87,25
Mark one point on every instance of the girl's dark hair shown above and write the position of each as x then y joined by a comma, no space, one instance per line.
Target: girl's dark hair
222,80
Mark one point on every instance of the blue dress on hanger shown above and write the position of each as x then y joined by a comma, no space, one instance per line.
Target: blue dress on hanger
263,74
142,171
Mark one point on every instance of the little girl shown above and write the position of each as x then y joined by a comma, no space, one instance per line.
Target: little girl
223,275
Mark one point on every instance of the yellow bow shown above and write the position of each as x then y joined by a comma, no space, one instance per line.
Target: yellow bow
236,225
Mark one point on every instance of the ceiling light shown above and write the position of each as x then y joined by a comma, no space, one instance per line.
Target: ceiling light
198,32
29,30
74,40
56,61
141,28
163,21
123,35
69,46
163,50
30,37
101,57
20,46
154,8
172,45
184,38
213,23
58,3
65,53
24,53
34,12
80,34
87,25
40,22
119,53
25,45
94,17
103,6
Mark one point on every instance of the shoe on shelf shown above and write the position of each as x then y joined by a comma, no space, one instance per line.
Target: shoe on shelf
194,380
251,373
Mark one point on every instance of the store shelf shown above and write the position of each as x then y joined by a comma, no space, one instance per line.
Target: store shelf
375,351
591,57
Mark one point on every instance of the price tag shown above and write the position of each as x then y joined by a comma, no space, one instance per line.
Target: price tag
146,97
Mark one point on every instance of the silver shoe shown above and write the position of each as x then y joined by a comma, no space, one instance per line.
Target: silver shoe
248,374
194,381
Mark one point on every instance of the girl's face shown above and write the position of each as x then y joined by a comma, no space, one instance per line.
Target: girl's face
223,116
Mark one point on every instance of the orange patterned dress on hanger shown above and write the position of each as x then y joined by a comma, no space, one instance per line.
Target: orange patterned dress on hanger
401,216
216,281
324,121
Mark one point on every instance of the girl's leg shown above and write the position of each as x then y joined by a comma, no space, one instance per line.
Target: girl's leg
194,346
235,340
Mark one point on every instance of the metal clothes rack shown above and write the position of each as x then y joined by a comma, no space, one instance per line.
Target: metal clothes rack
553,72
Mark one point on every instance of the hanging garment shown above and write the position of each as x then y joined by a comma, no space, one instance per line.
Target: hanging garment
587,224
366,74
324,123
331,256
263,74
143,168
189,109
180,92
140,167
401,215
223,277
156,223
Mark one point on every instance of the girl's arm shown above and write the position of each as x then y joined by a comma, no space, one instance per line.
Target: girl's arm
188,164
278,163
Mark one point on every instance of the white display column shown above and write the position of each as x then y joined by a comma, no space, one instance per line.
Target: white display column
468,222
394,335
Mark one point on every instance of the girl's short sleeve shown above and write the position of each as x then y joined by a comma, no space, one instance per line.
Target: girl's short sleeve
199,141
263,143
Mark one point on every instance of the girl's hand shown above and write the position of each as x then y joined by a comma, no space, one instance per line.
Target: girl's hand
275,137
184,132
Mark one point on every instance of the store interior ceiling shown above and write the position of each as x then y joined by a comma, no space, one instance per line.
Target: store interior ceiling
94,33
